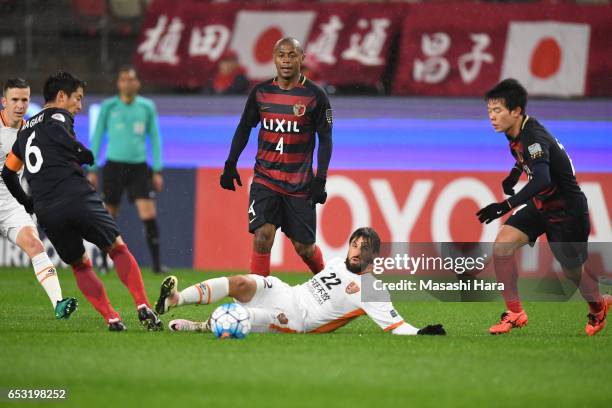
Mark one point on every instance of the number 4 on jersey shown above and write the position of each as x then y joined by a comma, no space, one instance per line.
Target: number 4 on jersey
33,150
279,146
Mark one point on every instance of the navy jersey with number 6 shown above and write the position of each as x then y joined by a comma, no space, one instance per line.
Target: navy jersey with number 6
289,120
47,146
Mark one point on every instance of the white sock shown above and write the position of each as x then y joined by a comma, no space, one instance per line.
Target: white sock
47,277
206,292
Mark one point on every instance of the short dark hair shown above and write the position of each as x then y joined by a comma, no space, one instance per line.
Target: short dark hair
511,92
293,41
368,234
126,68
14,83
61,81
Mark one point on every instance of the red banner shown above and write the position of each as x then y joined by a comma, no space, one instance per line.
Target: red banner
182,42
555,50
401,205
351,44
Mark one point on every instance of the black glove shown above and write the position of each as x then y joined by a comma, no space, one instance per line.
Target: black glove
432,330
84,155
510,181
493,211
229,175
317,190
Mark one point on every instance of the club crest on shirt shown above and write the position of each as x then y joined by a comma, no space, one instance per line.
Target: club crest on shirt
299,109
535,151
352,288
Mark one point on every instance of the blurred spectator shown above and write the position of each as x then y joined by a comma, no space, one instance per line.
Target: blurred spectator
311,68
230,77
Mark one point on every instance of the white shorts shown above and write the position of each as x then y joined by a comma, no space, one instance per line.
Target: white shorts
278,297
13,217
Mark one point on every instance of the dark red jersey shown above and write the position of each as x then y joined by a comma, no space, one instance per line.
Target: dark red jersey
534,145
289,120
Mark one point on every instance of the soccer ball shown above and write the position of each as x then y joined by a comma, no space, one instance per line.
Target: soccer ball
230,321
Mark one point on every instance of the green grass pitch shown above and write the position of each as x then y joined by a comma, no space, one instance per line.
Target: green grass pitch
551,362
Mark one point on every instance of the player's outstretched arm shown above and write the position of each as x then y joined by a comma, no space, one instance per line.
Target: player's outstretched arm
230,173
387,318
539,181
324,120
11,180
248,120
318,193
406,329
83,154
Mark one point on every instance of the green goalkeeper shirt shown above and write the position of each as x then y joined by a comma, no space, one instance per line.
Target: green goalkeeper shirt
128,126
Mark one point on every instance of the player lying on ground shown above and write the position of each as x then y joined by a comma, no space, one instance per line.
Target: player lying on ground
329,300
554,205
67,207
15,223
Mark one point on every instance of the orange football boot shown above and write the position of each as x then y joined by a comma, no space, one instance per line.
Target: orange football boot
597,321
509,320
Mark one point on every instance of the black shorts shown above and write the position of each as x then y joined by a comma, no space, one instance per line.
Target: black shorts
82,218
567,233
295,216
137,179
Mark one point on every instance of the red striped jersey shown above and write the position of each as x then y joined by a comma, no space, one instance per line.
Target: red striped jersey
289,120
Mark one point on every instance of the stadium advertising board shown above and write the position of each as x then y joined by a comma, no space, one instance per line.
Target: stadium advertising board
403,206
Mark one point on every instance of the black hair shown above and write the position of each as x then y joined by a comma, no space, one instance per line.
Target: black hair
14,83
61,81
285,40
126,68
368,234
511,92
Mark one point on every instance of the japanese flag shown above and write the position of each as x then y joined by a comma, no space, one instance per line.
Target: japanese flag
548,58
256,32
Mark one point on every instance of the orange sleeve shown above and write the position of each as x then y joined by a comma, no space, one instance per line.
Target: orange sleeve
393,326
13,162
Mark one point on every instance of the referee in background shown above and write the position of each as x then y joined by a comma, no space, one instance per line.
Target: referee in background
129,119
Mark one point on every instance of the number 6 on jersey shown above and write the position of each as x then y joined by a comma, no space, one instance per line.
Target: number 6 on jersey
33,150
